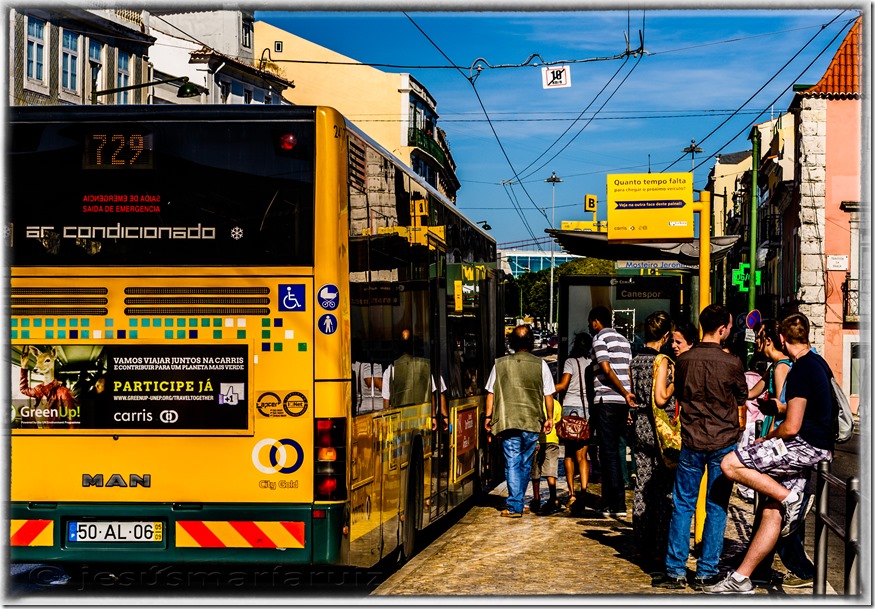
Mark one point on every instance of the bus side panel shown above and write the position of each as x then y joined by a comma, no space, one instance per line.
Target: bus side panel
331,269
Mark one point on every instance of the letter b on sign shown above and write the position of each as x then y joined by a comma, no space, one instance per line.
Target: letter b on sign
590,202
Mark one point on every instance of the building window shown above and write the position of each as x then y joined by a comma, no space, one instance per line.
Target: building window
70,61
268,100
123,76
246,38
224,91
278,46
95,61
855,369
36,49
247,96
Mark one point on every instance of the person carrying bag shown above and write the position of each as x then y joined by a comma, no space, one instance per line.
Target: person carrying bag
574,428
667,428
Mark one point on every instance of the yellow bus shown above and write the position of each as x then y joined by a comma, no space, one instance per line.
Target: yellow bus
238,334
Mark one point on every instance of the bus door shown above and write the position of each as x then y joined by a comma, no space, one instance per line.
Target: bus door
366,544
440,456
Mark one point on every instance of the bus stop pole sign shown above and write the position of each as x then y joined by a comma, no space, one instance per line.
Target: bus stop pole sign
753,318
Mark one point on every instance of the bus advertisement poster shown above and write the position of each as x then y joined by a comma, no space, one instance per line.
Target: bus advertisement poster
131,387
466,441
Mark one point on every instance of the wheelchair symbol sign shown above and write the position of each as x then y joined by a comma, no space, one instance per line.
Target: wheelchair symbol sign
328,297
292,297
328,324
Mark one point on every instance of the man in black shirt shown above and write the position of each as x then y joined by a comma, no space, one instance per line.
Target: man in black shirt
778,465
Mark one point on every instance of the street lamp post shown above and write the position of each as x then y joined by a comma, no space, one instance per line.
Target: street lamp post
553,180
692,149
186,89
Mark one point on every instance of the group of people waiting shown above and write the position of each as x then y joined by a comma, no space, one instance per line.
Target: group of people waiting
688,412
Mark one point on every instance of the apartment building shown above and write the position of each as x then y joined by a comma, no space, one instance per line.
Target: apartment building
396,110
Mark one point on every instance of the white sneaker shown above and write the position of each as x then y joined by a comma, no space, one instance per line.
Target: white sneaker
795,512
729,586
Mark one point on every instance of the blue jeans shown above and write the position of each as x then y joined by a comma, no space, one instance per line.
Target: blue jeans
791,549
612,426
518,446
691,468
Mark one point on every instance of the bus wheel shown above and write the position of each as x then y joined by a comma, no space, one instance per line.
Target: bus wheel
412,507
482,473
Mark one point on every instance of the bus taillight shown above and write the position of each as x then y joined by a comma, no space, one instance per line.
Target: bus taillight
327,486
326,454
330,465
288,141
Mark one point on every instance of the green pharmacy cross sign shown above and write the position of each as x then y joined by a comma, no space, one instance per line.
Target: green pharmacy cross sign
741,277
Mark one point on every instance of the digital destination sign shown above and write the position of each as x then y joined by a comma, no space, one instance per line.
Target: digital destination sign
118,147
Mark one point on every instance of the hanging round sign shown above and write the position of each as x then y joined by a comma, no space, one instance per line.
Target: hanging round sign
753,318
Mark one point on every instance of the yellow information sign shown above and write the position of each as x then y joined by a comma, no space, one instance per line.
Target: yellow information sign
650,206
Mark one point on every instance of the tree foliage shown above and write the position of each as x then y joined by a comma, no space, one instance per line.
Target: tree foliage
530,290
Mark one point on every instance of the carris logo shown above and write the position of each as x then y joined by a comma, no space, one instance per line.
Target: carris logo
117,480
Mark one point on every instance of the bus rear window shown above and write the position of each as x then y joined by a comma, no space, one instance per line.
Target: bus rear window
163,193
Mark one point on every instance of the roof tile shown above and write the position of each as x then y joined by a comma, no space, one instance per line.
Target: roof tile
842,77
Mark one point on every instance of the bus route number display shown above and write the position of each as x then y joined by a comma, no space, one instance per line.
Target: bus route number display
117,148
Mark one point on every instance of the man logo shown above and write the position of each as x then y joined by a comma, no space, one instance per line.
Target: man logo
277,456
134,480
169,416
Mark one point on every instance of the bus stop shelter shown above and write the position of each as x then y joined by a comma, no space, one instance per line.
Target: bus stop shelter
596,245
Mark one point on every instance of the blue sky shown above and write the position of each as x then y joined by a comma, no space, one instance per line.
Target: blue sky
702,65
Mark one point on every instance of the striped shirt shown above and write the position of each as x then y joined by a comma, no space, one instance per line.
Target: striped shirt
611,346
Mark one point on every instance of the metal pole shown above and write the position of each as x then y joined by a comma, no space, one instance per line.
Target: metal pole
553,180
820,529
552,259
142,85
703,208
704,249
852,537
754,209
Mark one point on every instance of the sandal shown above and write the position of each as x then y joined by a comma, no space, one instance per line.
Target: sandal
571,501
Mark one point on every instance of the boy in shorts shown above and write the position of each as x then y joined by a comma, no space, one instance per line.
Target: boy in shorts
779,464
546,463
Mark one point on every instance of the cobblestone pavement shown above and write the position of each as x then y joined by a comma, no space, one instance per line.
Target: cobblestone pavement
560,554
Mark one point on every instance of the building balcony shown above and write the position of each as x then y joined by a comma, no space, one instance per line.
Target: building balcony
426,142
851,300
769,229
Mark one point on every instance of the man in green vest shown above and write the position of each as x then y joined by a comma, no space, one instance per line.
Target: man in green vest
408,380
518,387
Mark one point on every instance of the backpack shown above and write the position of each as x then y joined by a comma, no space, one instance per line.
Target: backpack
843,420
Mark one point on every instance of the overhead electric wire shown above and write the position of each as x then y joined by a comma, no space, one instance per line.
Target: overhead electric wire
787,88
733,40
758,91
567,144
491,126
640,52
364,118
498,139
574,122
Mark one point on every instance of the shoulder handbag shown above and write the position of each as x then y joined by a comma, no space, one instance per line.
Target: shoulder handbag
666,428
573,427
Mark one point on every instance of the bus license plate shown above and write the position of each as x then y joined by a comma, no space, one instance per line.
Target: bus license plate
115,531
